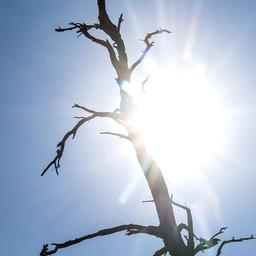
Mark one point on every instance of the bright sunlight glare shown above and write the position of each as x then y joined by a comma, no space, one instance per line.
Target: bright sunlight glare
182,118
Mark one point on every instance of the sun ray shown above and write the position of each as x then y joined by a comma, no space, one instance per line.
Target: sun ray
191,35
182,117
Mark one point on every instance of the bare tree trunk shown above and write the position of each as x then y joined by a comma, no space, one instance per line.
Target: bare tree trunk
161,197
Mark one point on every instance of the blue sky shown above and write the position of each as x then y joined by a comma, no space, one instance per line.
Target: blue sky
43,73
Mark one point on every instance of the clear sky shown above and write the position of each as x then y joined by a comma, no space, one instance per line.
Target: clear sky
100,184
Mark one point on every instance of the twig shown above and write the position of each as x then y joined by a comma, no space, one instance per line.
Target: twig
143,84
122,136
115,115
84,108
148,201
120,20
219,232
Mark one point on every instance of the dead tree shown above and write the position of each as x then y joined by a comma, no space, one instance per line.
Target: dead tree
174,242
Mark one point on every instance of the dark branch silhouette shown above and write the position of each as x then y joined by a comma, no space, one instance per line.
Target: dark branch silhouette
83,29
72,133
233,240
130,229
148,46
120,20
169,231
122,136
161,252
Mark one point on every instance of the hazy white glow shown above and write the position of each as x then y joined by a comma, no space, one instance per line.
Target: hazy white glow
191,35
182,118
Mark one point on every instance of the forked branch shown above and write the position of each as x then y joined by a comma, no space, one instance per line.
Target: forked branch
233,240
189,227
83,29
130,229
206,244
221,231
148,46
113,32
119,60
72,133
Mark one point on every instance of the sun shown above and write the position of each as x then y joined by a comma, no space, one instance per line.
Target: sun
182,118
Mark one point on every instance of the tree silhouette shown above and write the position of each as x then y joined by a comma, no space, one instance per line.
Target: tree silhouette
178,239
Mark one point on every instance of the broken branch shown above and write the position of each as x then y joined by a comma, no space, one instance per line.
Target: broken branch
120,20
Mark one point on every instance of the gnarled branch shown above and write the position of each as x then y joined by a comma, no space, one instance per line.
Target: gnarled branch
112,30
130,229
72,133
148,46
233,240
83,28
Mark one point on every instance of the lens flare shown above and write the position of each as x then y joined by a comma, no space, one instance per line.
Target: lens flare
182,118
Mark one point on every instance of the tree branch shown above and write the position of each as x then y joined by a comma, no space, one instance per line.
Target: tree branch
143,84
130,230
77,26
207,244
61,145
161,252
83,28
233,240
219,232
148,46
113,32
121,136
120,20
72,133
190,229
84,108
107,25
